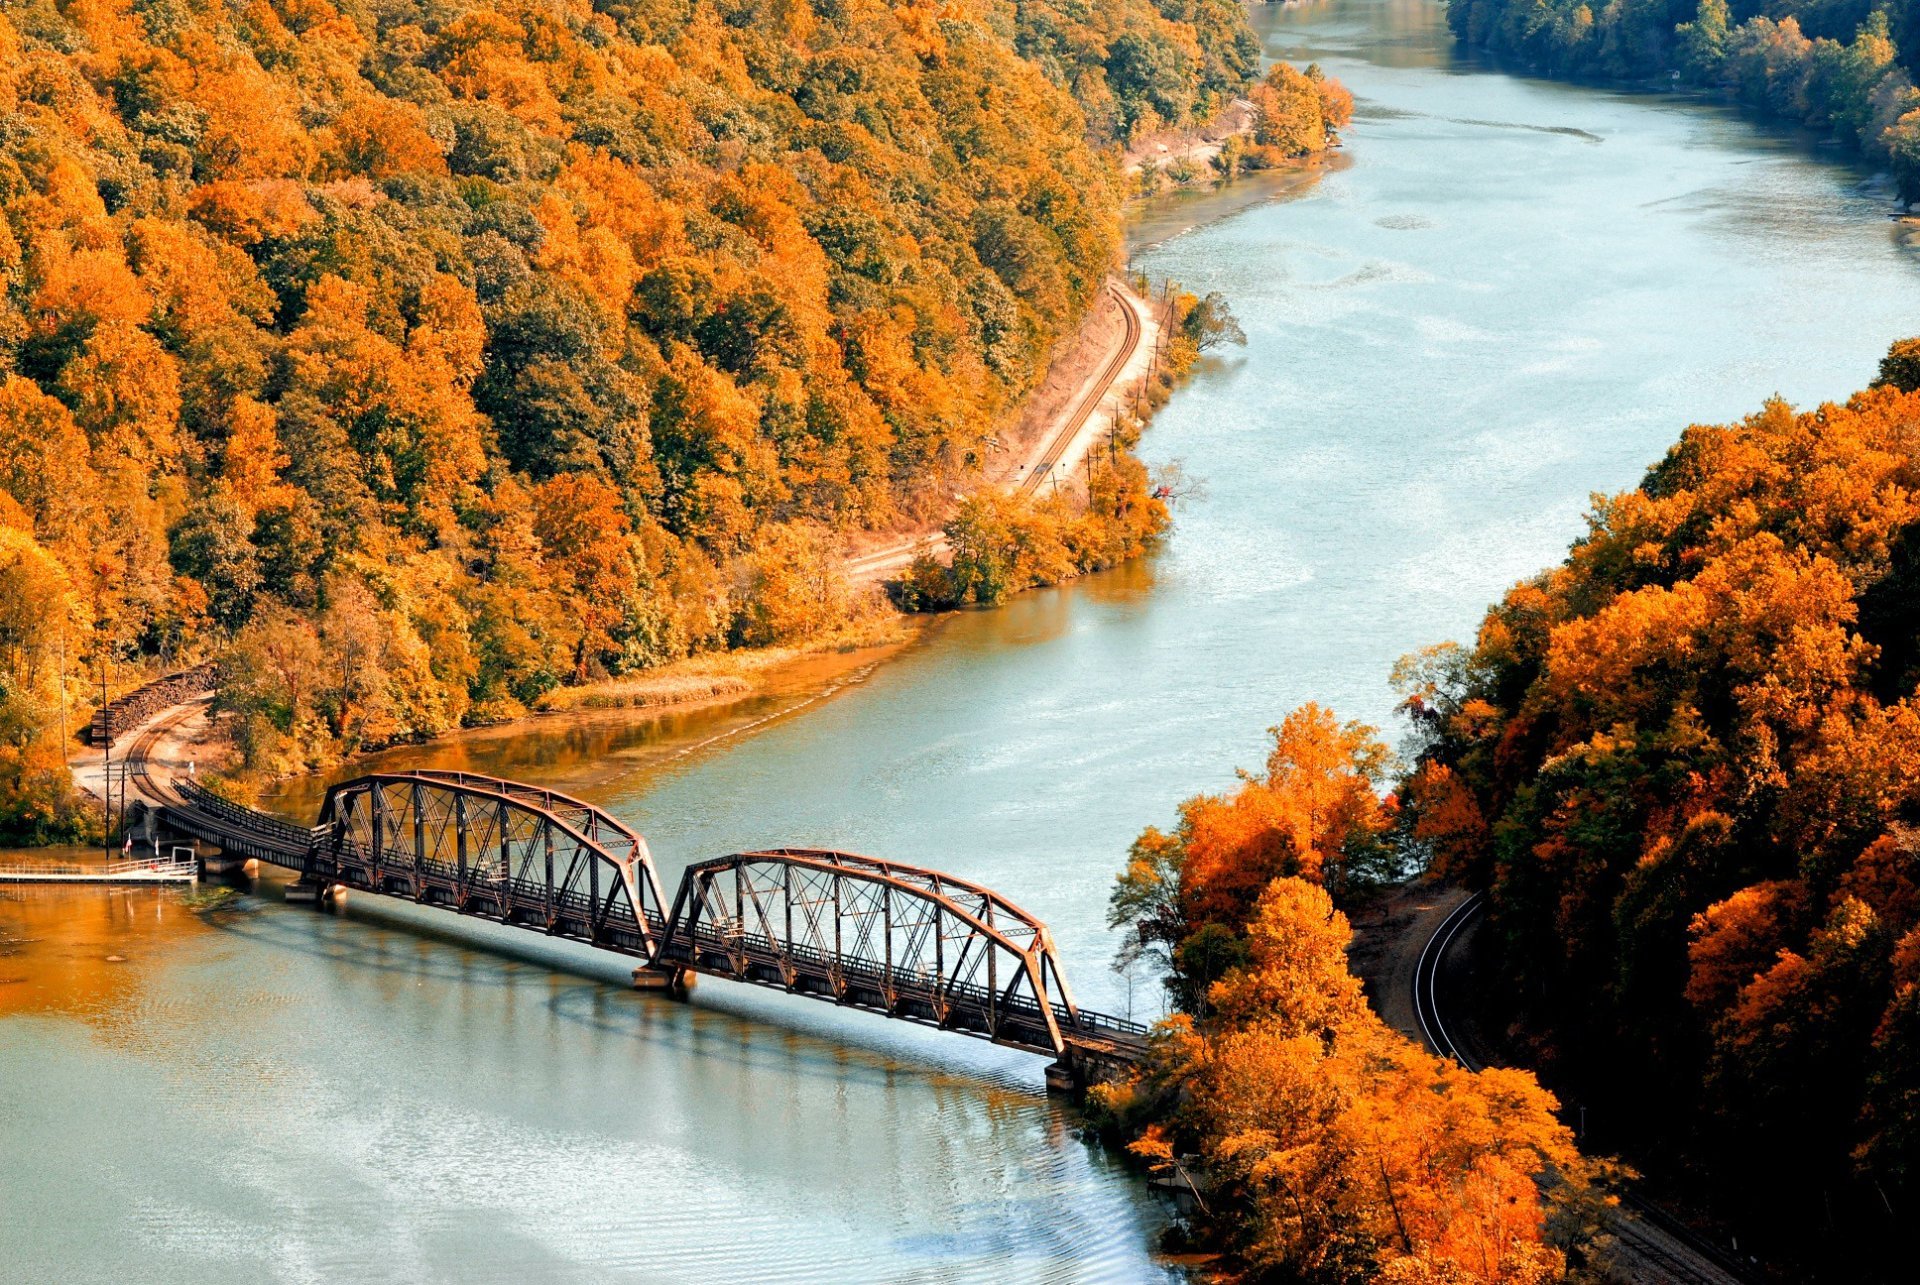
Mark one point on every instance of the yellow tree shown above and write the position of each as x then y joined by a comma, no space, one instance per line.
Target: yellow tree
583,531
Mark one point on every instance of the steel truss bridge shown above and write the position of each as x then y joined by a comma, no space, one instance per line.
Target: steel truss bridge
899,940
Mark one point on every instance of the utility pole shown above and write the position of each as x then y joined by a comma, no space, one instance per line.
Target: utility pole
66,748
106,765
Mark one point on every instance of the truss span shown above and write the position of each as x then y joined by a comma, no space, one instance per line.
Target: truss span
496,849
901,940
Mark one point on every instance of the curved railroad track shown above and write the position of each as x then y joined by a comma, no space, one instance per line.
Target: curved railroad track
1043,466
138,757
1057,444
1426,980
1653,1239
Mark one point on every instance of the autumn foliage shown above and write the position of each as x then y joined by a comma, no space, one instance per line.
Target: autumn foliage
424,357
1686,763
1296,113
1325,1146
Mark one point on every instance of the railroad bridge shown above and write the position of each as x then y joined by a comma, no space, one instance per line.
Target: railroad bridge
898,940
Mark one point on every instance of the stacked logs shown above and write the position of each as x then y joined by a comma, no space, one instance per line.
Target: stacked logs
143,702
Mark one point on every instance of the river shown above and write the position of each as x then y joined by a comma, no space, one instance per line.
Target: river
1508,295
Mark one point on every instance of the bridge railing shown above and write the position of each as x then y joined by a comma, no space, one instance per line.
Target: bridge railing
767,950
1107,1024
619,921
242,829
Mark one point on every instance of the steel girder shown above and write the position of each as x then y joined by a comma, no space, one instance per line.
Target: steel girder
497,849
897,939
890,938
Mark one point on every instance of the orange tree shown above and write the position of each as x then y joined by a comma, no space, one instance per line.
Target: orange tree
1686,766
1326,1146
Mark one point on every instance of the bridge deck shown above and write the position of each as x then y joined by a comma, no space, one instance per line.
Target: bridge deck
321,855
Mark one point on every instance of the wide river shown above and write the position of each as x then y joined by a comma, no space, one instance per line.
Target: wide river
1510,294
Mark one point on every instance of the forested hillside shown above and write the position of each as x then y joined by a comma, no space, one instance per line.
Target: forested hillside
1687,766
1329,1147
1840,66
426,355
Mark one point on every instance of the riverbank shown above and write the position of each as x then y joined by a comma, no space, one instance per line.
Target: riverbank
1100,378
1290,119
1107,371
1179,157
1765,65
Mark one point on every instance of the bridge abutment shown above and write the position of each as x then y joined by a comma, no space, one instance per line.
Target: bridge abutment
1083,1065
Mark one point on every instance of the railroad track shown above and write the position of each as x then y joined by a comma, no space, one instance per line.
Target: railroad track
1426,980
1057,445
1655,1240
1061,440
191,809
138,758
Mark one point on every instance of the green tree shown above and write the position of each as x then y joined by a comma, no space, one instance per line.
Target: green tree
1900,368
1210,323
213,544
1701,45
1902,141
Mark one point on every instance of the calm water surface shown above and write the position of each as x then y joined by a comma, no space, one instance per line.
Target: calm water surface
1512,294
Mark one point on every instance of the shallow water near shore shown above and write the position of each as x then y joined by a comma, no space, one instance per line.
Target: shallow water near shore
1508,295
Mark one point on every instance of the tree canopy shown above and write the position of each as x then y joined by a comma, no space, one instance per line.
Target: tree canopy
1327,1147
1840,66
522,334
1686,764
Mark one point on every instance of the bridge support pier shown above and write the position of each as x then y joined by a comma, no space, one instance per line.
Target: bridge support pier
665,979
1063,1078
324,895
221,862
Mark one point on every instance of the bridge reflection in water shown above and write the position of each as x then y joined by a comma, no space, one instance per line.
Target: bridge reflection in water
906,942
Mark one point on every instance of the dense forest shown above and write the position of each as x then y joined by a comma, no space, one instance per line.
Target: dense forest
1328,1148
1685,768
1686,765
1838,66
421,356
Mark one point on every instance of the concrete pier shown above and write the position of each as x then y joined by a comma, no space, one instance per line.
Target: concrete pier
665,981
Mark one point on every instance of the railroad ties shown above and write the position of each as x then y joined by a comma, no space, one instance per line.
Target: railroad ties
901,941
